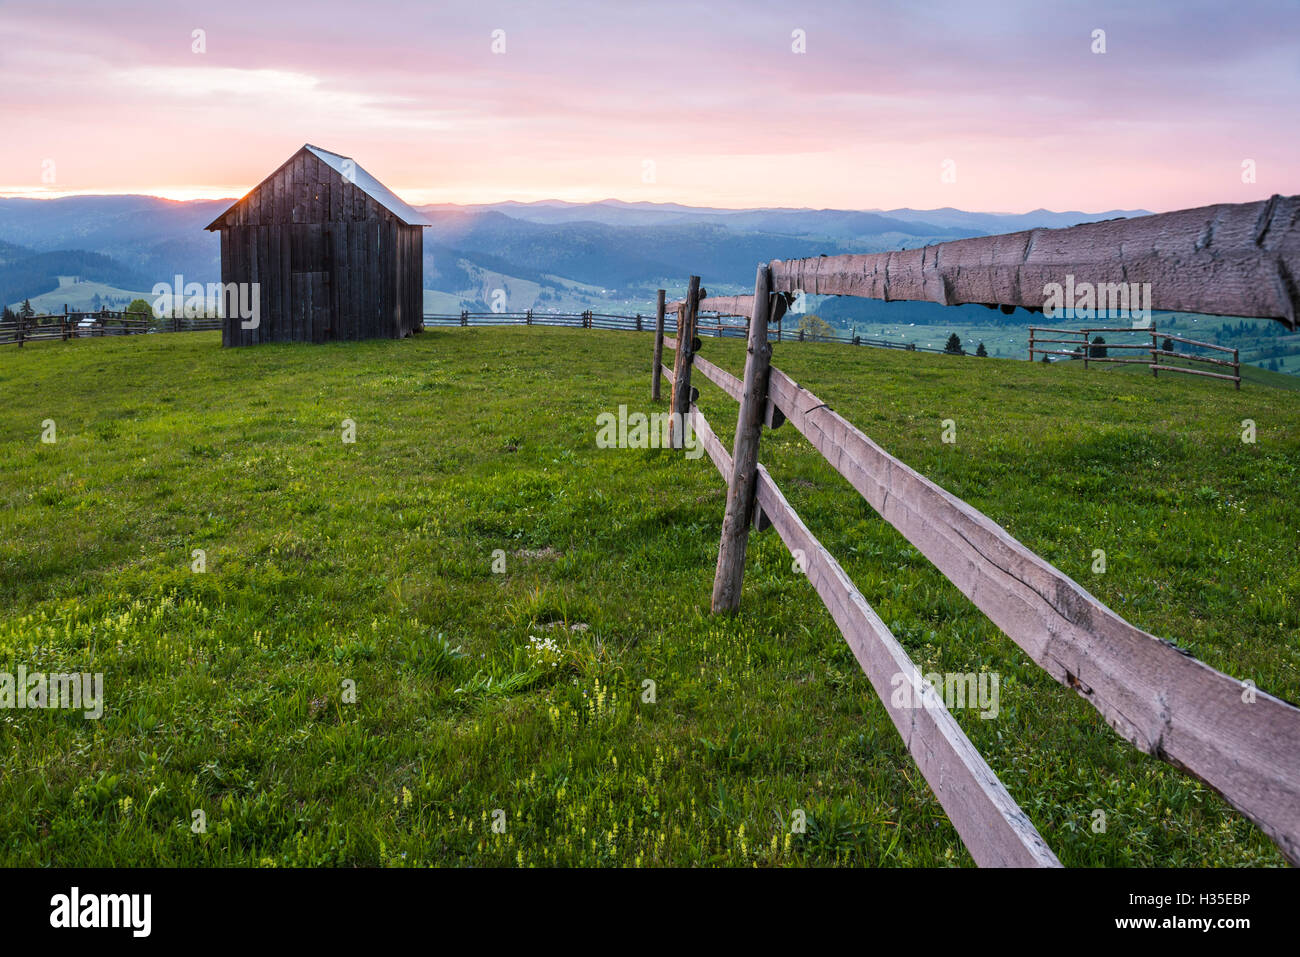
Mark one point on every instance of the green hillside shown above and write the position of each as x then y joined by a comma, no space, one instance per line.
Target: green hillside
372,562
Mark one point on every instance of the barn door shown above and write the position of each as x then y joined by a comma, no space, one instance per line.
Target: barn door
311,307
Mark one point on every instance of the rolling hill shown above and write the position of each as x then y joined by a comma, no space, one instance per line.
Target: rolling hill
548,255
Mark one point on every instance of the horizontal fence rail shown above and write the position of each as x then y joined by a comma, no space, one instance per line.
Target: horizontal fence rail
1229,260
1088,349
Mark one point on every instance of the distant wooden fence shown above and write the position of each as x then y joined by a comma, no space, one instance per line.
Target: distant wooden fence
83,325
1242,742
711,326
1088,349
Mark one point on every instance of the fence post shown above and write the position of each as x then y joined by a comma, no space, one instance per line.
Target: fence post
1031,343
1087,348
464,318
528,318
19,330
682,365
1236,369
1155,373
656,374
744,457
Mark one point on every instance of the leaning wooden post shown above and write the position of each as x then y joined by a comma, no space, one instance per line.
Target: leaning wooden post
681,406
744,457
656,374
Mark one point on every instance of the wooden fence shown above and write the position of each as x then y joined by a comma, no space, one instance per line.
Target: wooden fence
709,326
1242,742
1098,350
79,325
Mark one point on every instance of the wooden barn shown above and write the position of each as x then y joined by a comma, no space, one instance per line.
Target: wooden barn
334,253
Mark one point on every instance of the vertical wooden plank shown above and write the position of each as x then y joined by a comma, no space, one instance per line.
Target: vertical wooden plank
316,254
730,571
367,264
299,189
246,236
291,254
656,374
311,183
681,405
283,301
341,278
239,258
384,274
354,278
226,339
263,249
277,193
417,270
274,278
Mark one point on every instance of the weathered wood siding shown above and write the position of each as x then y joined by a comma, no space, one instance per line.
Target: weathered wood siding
331,263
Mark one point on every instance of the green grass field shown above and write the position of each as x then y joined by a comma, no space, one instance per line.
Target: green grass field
372,562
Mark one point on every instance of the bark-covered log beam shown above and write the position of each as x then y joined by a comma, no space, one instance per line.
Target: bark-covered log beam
1231,259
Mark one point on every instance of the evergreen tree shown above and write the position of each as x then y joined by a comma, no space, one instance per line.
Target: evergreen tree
981,351
953,347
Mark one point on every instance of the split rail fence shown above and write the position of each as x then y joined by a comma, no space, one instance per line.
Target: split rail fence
712,326
1085,347
81,325
1224,260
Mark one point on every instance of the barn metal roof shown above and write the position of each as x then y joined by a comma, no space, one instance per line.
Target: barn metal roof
351,171
376,190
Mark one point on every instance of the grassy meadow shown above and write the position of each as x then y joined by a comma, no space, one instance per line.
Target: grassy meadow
337,570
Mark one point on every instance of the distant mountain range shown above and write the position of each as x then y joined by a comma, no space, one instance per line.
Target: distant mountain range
549,255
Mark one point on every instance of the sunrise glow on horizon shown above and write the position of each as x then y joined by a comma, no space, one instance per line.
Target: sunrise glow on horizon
888,105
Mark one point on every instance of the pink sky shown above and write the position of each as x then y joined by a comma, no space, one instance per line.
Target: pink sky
112,98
